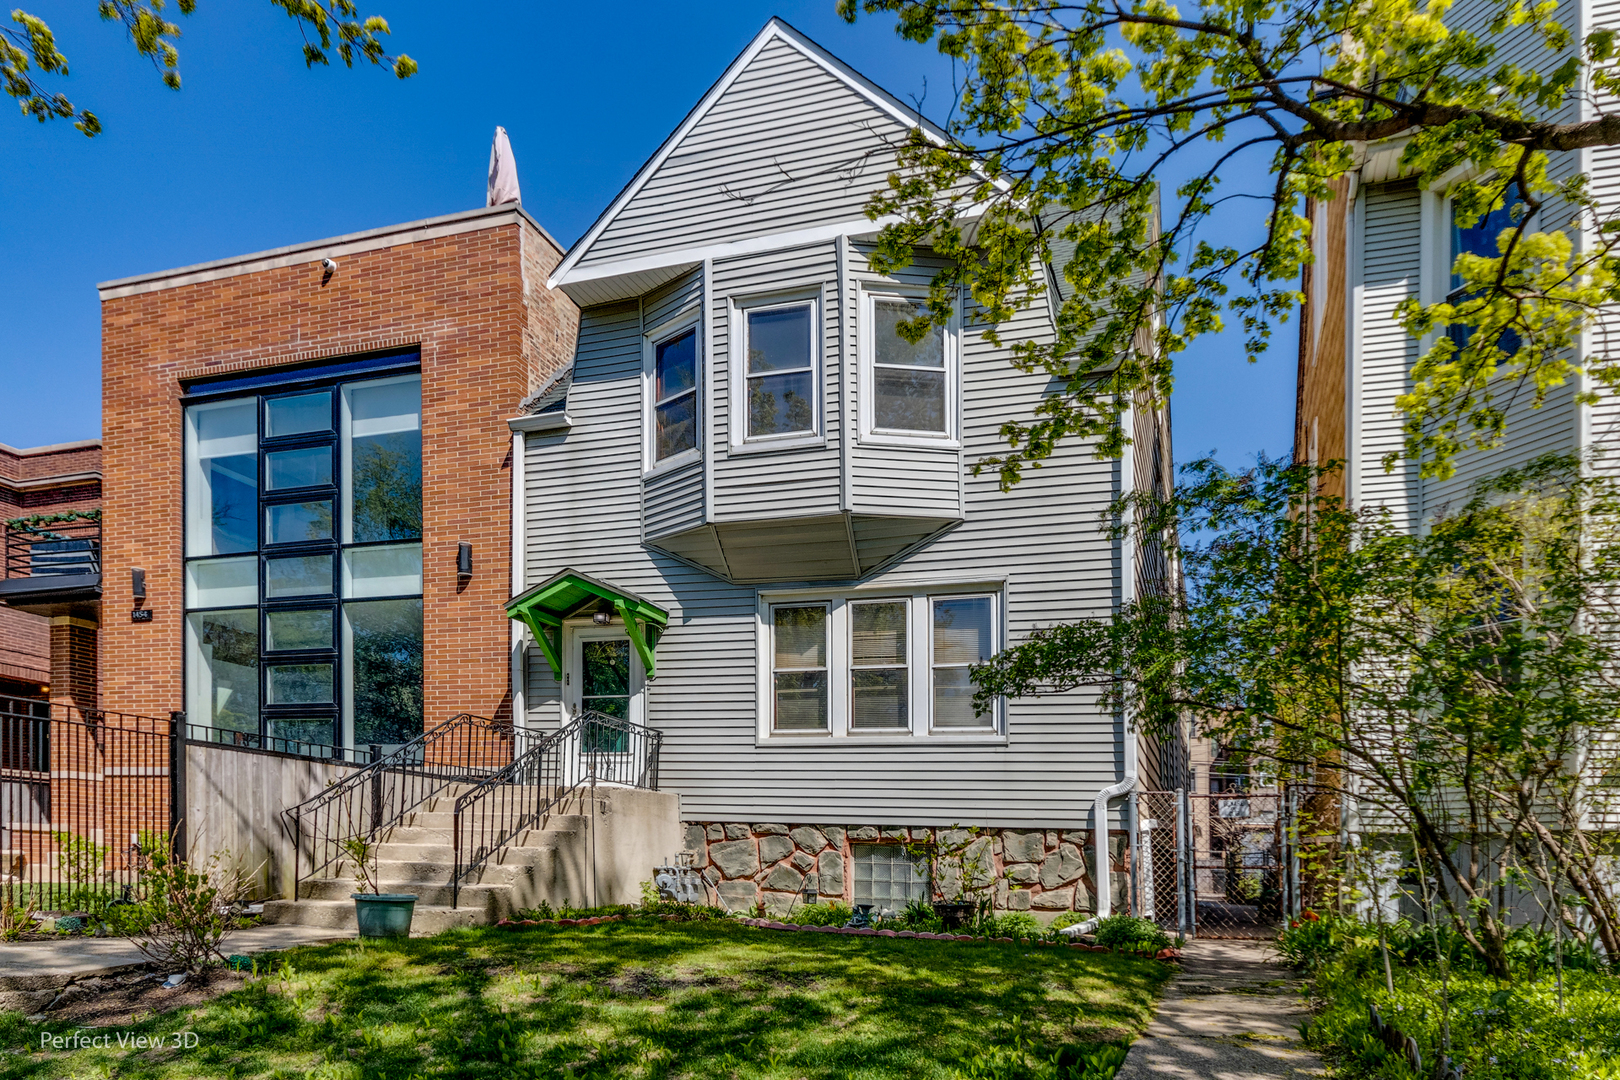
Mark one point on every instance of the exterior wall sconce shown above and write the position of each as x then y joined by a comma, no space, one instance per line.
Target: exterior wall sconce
463,561
137,583
603,615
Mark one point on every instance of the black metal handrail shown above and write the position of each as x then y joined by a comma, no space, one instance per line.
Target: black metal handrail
463,749
232,739
594,749
53,548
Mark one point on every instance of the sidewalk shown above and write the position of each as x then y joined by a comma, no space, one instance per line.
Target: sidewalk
45,965
1231,1014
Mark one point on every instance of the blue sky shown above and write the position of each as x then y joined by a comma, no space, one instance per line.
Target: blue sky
256,152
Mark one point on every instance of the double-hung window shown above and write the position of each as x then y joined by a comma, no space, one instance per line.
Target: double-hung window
963,633
303,529
799,667
908,388
672,390
868,665
777,396
879,671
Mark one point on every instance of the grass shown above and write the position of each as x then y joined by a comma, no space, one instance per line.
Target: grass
635,999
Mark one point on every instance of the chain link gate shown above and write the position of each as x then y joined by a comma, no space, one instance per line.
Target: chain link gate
1216,866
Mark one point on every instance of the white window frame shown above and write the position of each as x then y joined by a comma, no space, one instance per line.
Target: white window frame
737,375
991,722
870,432
689,319
771,670
840,654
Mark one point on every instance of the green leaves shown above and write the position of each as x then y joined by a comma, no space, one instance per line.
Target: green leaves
32,48
1070,117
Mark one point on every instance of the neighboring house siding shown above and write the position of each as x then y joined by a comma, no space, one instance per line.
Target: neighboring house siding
1391,243
742,172
1044,537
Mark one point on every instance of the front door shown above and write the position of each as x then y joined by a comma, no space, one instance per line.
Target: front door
605,676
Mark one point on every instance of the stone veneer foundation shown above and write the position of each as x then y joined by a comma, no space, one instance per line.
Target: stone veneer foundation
1044,871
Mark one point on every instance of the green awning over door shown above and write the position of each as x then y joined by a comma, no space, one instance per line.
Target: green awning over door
571,594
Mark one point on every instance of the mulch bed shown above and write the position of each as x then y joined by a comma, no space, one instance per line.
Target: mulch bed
125,999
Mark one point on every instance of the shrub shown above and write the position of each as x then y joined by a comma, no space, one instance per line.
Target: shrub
1069,918
1015,924
1131,934
1309,941
919,916
832,913
183,912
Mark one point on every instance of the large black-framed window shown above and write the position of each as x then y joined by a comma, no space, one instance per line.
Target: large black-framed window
304,560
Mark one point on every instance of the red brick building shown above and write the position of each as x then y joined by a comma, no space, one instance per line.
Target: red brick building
309,470
50,499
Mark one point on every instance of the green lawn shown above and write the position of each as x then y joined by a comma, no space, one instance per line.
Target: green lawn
631,999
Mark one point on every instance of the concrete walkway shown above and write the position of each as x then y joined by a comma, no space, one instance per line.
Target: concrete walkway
41,965
1232,1014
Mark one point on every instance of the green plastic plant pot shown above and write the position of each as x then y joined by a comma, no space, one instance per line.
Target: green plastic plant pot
384,915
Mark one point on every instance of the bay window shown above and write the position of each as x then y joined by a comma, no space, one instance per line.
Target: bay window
868,665
908,388
304,561
674,379
776,348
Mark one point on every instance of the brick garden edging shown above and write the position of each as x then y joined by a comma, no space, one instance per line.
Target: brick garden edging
849,931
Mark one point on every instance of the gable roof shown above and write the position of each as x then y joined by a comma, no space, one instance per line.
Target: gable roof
795,57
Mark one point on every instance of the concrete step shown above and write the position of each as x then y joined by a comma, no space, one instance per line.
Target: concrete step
339,915
494,900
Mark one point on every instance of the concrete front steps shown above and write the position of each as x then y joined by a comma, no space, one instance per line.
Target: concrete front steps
557,863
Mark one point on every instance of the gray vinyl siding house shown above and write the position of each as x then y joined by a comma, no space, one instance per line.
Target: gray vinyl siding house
821,578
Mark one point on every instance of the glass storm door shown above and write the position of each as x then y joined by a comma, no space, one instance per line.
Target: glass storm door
606,678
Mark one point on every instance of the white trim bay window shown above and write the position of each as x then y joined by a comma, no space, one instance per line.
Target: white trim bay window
777,349
868,665
303,529
672,368
908,388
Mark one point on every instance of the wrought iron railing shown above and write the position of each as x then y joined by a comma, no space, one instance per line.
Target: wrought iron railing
594,749
52,548
270,744
463,749
85,800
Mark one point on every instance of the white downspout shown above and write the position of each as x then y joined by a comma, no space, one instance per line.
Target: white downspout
1127,782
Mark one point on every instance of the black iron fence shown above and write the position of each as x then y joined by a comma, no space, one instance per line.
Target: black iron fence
594,749
252,740
464,749
52,548
85,797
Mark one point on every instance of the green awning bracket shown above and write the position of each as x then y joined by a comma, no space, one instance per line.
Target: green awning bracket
571,594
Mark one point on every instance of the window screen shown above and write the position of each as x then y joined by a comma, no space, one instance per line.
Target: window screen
908,378
799,667
962,636
887,877
675,396
878,665
781,371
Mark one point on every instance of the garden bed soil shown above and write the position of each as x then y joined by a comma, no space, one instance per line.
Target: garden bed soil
119,1000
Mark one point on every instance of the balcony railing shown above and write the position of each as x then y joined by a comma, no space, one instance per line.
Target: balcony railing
50,548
